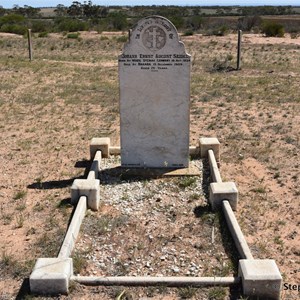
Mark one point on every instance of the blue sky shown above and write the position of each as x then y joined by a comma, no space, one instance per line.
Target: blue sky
48,3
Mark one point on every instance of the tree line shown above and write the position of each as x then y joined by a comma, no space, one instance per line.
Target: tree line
88,16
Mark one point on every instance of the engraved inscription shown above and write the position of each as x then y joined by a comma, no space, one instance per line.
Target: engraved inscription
154,62
154,38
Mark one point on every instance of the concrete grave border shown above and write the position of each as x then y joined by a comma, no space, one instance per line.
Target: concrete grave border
259,277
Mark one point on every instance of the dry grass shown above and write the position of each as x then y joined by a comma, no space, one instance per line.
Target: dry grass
53,106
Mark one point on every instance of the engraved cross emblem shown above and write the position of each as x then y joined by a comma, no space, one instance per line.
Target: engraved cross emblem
154,38
154,34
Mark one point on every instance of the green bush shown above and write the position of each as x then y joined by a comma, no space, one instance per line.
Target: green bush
43,34
195,22
14,28
117,21
220,31
73,35
222,65
13,23
188,32
12,19
178,21
71,25
270,28
39,26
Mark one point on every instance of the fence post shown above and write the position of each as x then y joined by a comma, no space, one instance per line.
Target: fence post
29,44
238,67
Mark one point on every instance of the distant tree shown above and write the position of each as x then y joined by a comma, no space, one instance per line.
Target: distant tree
75,10
60,10
248,22
117,20
228,10
2,11
27,11
89,10
196,11
194,23
220,12
104,11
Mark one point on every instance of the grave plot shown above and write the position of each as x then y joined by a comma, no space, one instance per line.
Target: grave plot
160,230
155,227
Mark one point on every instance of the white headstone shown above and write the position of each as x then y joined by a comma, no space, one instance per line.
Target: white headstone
154,74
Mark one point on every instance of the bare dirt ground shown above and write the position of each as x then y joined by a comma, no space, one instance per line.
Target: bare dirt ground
50,109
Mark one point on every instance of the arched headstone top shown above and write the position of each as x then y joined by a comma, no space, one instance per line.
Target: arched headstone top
152,35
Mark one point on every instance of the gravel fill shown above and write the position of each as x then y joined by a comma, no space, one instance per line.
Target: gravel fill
151,227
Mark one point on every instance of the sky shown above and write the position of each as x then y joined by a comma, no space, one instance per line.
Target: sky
52,3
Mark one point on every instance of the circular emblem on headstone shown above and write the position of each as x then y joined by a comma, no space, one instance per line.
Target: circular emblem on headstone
154,38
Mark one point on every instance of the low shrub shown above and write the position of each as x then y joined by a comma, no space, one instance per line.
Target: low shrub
13,23
43,34
122,39
14,28
188,33
272,29
73,35
295,35
39,26
220,31
71,25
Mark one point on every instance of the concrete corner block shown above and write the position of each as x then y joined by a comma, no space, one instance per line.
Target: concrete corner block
220,191
260,278
51,276
89,188
102,144
206,144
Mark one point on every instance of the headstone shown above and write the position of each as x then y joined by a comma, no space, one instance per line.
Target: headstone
154,75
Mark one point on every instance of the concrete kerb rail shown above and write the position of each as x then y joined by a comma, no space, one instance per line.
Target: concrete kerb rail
154,281
104,145
259,278
51,276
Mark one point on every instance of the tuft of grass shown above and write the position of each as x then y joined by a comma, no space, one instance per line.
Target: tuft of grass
104,38
19,195
185,182
20,221
217,293
122,39
10,267
259,189
49,243
21,206
187,292
43,34
79,262
103,224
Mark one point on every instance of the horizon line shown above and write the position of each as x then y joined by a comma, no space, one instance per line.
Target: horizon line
180,5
